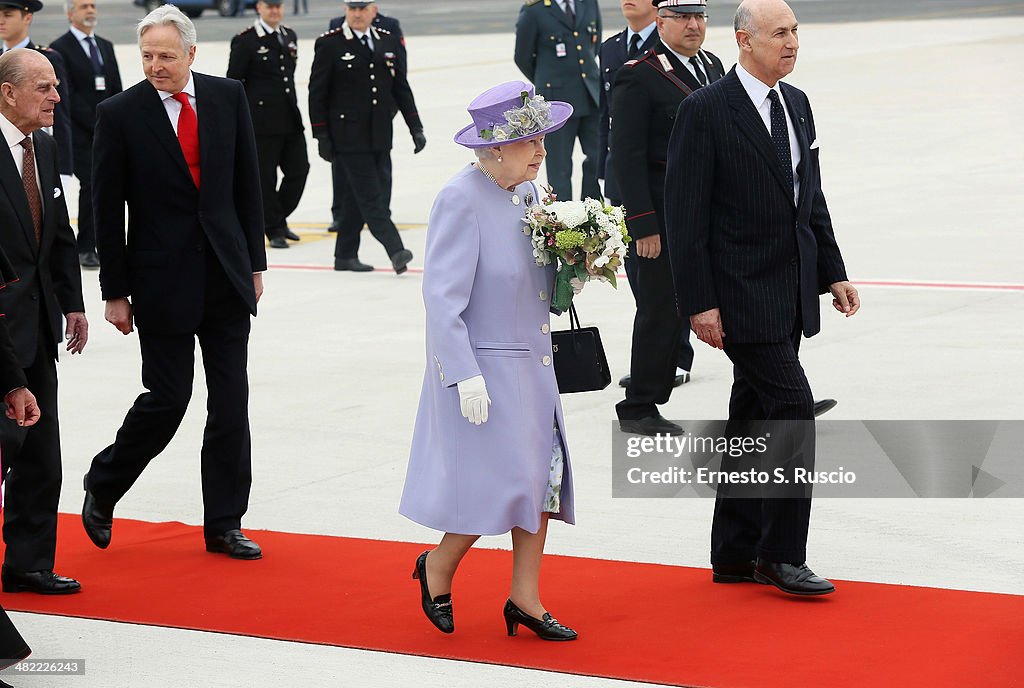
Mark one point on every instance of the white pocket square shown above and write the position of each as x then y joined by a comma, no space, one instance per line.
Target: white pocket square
56,192
814,146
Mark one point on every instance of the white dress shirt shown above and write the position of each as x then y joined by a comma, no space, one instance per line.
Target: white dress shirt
686,63
758,93
173,107
23,44
83,41
14,137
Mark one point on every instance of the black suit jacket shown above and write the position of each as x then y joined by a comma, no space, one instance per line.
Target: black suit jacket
353,97
267,70
737,241
82,81
12,375
137,160
613,56
49,280
62,113
646,98
389,24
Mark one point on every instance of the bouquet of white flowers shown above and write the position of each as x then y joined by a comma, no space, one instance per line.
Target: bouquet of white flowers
587,238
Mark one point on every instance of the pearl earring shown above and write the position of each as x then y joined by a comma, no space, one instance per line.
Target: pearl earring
499,159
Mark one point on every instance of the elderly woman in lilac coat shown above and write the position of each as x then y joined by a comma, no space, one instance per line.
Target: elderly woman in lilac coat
488,453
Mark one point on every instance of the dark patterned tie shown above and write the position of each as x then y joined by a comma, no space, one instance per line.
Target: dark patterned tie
366,45
570,12
634,46
780,136
94,55
28,180
698,71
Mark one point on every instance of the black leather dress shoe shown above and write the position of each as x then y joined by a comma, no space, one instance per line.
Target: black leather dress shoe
278,242
546,628
651,425
291,236
89,260
98,519
333,227
796,579
624,381
400,261
681,379
438,609
352,264
824,406
41,582
234,544
739,572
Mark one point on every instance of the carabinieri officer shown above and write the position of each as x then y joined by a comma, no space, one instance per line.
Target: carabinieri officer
263,58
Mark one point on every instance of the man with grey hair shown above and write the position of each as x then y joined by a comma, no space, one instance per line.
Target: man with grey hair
40,244
752,247
178,148
93,76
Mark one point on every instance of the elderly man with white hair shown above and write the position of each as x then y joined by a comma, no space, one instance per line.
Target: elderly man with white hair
178,148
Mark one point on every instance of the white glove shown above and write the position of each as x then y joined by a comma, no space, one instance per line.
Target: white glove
474,400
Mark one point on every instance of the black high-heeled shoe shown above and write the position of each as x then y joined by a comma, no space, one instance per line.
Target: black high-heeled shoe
547,628
438,609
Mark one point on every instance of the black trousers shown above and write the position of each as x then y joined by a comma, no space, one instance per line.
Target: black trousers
82,150
684,359
13,647
656,327
768,384
365,199
168,362
338,179
560,145
32,468
286,152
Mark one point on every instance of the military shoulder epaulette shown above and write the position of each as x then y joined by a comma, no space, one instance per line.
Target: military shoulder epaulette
332,31
247,30
530,3
646,56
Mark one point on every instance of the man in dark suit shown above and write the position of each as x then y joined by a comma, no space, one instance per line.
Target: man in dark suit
351,109
40,244
394,27
191,267
557,42
14,29
263,58
752,247
93,75
645,97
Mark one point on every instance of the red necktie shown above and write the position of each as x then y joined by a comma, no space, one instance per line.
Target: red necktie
28,179
188,135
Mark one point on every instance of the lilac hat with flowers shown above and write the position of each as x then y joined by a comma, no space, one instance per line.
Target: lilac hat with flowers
511,112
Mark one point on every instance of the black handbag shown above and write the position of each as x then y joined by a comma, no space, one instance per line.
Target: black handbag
580,363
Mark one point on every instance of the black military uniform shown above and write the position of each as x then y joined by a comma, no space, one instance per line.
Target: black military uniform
354,88
647,94
264,61
557,49
394,27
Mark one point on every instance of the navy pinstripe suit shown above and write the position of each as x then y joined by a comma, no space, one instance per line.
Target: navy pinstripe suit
738,242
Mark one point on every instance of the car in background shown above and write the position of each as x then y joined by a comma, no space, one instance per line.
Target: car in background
194,8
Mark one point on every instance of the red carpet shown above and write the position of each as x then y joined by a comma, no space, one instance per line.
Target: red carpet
640,622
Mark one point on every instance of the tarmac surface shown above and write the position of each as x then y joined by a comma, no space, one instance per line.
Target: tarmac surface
922,167
461,17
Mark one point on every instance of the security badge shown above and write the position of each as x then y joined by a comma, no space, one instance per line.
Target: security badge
560,50
101,82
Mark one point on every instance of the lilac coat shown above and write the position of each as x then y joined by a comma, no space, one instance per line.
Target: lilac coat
487,308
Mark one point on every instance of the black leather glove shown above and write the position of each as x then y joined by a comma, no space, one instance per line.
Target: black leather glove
324,149
419,141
